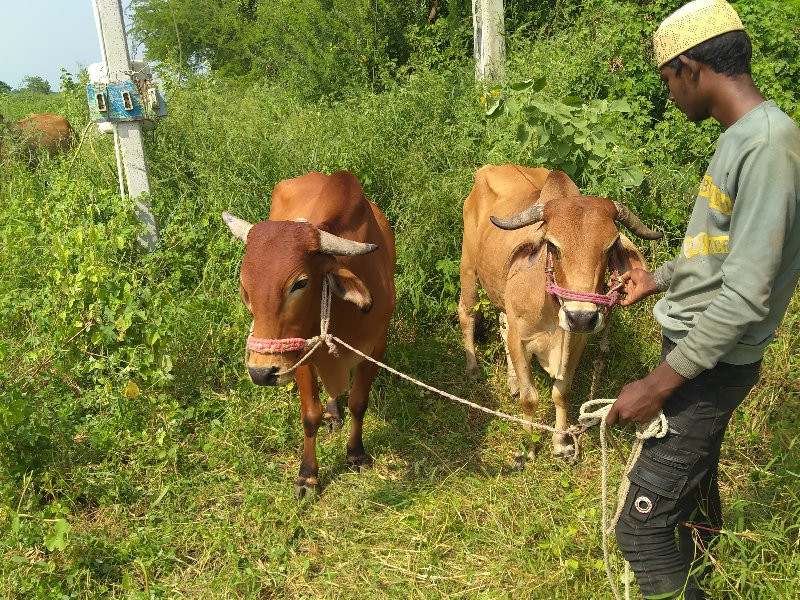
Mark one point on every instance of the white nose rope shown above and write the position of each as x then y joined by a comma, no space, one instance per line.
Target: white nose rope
590,415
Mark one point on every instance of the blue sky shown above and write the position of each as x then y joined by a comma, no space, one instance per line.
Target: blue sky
38,37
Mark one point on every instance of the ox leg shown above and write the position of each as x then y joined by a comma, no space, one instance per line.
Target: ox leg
513,383
357,458
563,446
333,415
311,412
466,314
528,395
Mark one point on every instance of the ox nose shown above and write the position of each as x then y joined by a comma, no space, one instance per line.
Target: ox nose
582,321
263,375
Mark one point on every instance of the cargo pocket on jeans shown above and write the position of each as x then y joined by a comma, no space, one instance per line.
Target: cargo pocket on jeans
658,478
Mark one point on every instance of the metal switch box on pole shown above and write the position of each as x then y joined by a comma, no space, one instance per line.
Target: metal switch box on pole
114,49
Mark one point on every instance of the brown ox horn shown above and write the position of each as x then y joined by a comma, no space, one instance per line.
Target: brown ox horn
239,227
333,244
632,222
531,215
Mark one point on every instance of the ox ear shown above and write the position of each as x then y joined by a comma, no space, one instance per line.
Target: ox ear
627,256
350,288
239,227
523,257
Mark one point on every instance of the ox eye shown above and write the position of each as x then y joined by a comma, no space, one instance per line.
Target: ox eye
299,284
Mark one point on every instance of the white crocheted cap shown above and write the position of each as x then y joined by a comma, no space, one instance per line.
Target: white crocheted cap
693,24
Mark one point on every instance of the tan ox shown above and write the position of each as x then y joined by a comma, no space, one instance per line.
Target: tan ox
46,133
544,213
320,227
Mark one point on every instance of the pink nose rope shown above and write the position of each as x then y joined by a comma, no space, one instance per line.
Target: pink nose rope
265,346
280,346
608,300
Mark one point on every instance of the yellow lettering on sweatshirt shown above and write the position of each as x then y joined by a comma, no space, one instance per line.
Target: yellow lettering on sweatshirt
705,244
717,199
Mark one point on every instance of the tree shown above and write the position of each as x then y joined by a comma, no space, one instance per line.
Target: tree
324,47
36,84
4,87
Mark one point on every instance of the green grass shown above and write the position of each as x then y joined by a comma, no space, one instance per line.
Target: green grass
201,500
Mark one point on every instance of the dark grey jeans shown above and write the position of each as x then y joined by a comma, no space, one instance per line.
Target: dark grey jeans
675,481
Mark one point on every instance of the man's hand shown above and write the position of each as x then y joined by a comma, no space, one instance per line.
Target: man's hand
638,284
640,401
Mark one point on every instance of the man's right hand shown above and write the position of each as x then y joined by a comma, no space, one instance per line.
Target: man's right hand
638,284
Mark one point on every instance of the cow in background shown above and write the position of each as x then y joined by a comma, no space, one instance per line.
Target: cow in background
320,227
44,133
546,221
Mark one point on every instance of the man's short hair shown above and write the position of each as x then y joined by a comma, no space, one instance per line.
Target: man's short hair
727,54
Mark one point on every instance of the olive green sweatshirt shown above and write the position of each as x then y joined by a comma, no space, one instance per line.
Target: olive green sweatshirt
729,287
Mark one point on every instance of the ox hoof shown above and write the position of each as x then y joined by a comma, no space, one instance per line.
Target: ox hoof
304,490
520,458
513,386
472,372
332,422
565,452
356,465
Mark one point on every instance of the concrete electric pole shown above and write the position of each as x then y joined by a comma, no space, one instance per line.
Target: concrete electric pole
114,49
489,36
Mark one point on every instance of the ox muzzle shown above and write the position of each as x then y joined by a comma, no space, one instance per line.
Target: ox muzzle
275,350
271,375
282,374
582,312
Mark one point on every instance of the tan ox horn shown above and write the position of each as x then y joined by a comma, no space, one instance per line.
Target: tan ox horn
332,244
531,215
239,227
634,225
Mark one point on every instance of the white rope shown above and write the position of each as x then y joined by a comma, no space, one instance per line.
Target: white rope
657,427
119,163
317,340
592,413
574,431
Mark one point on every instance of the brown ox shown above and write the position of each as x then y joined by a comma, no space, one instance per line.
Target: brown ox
319,227
40,133
545,213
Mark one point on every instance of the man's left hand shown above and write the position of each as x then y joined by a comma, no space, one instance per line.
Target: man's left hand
640,401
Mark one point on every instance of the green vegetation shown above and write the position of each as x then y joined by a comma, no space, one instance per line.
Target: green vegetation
137,461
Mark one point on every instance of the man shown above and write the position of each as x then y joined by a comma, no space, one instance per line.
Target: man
726,293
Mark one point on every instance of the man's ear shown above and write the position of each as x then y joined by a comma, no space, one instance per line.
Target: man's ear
523,257
626,255
689,67
350,288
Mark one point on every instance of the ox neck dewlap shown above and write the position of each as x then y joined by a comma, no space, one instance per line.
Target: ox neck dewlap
607,300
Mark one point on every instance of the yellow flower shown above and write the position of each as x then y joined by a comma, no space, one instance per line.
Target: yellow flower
495,92
131,390
483,100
